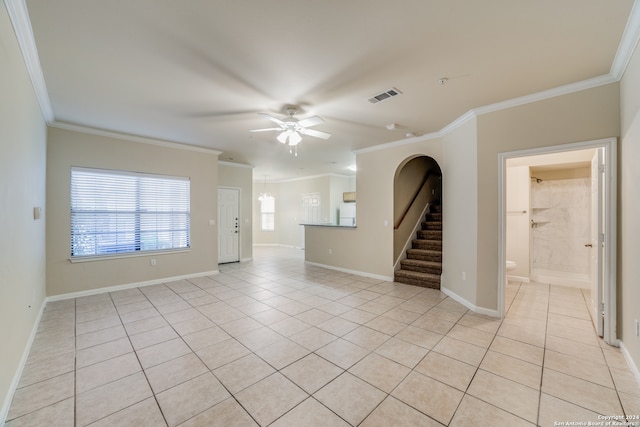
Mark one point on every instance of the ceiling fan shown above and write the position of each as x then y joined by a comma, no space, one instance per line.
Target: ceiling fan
291,129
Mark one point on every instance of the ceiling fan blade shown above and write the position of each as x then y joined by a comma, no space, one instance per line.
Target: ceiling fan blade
264,130
311,121
273,119
317,133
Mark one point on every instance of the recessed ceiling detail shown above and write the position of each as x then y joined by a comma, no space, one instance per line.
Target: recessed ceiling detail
384,95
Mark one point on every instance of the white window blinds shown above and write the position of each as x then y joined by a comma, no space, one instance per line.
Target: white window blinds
116,212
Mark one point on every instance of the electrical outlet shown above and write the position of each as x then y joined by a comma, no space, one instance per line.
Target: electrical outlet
464,275
637,328
153,262
330,251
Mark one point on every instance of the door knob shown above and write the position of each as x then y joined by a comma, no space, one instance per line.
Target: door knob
588,245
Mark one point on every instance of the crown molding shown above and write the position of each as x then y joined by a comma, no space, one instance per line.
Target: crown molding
515,102
235,165
304,178
19,16
399,143
626,47
545,94
133,138
628,43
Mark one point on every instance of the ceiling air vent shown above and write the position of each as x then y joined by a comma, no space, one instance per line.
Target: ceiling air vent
384,95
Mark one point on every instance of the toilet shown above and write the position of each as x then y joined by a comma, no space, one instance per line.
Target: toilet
511,265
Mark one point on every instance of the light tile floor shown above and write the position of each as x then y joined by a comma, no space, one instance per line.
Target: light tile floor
277,342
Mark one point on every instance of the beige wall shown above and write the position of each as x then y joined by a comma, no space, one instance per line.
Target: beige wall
238,176
22,187
68,148
288,194
369,247
629,206
582,116
468,157
459,212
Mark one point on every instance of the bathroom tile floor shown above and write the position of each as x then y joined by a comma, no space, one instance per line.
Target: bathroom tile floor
278,342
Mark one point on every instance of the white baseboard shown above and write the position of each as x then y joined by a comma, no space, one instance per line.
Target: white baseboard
280,245
573,280
524,279
472,307
4,411
249,259
630,362
128,286
357,273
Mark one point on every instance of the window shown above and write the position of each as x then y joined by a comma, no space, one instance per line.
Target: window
116,212
267,213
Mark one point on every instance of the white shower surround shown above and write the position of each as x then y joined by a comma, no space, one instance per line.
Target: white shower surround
561,210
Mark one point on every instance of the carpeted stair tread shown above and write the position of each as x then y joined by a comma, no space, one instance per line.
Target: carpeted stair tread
430,234
432,267
432,225
433,217
425,255
423,265
416,278
434,245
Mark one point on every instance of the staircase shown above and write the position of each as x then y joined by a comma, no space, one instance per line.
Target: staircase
423,265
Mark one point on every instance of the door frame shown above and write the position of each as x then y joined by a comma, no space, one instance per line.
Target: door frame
610,227
239,190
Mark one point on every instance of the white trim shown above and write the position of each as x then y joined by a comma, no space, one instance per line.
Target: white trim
4,411
503,105
129,286
523,279
632,365
472,307
610,147
399,143
133,138
627,44
347,270
276,244
243,260
411,237
545,94
19,16
302,178
458,122
235,165
137,254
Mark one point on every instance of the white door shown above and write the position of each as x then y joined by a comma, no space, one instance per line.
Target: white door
596,244
228,225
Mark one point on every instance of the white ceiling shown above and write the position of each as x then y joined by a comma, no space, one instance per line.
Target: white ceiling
199,71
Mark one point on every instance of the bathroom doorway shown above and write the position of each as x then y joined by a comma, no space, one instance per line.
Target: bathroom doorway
557,220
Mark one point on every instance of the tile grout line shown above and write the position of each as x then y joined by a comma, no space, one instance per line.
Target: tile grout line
155,398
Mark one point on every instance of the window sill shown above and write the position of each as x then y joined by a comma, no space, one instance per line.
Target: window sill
89,258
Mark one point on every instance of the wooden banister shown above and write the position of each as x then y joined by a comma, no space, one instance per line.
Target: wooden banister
413,200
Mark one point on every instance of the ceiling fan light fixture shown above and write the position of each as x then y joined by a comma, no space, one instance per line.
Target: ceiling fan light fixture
294,138
291,129
283,137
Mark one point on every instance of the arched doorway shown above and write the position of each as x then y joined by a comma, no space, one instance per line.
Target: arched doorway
417,244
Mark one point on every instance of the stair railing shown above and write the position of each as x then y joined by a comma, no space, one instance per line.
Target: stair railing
409,241
413,200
